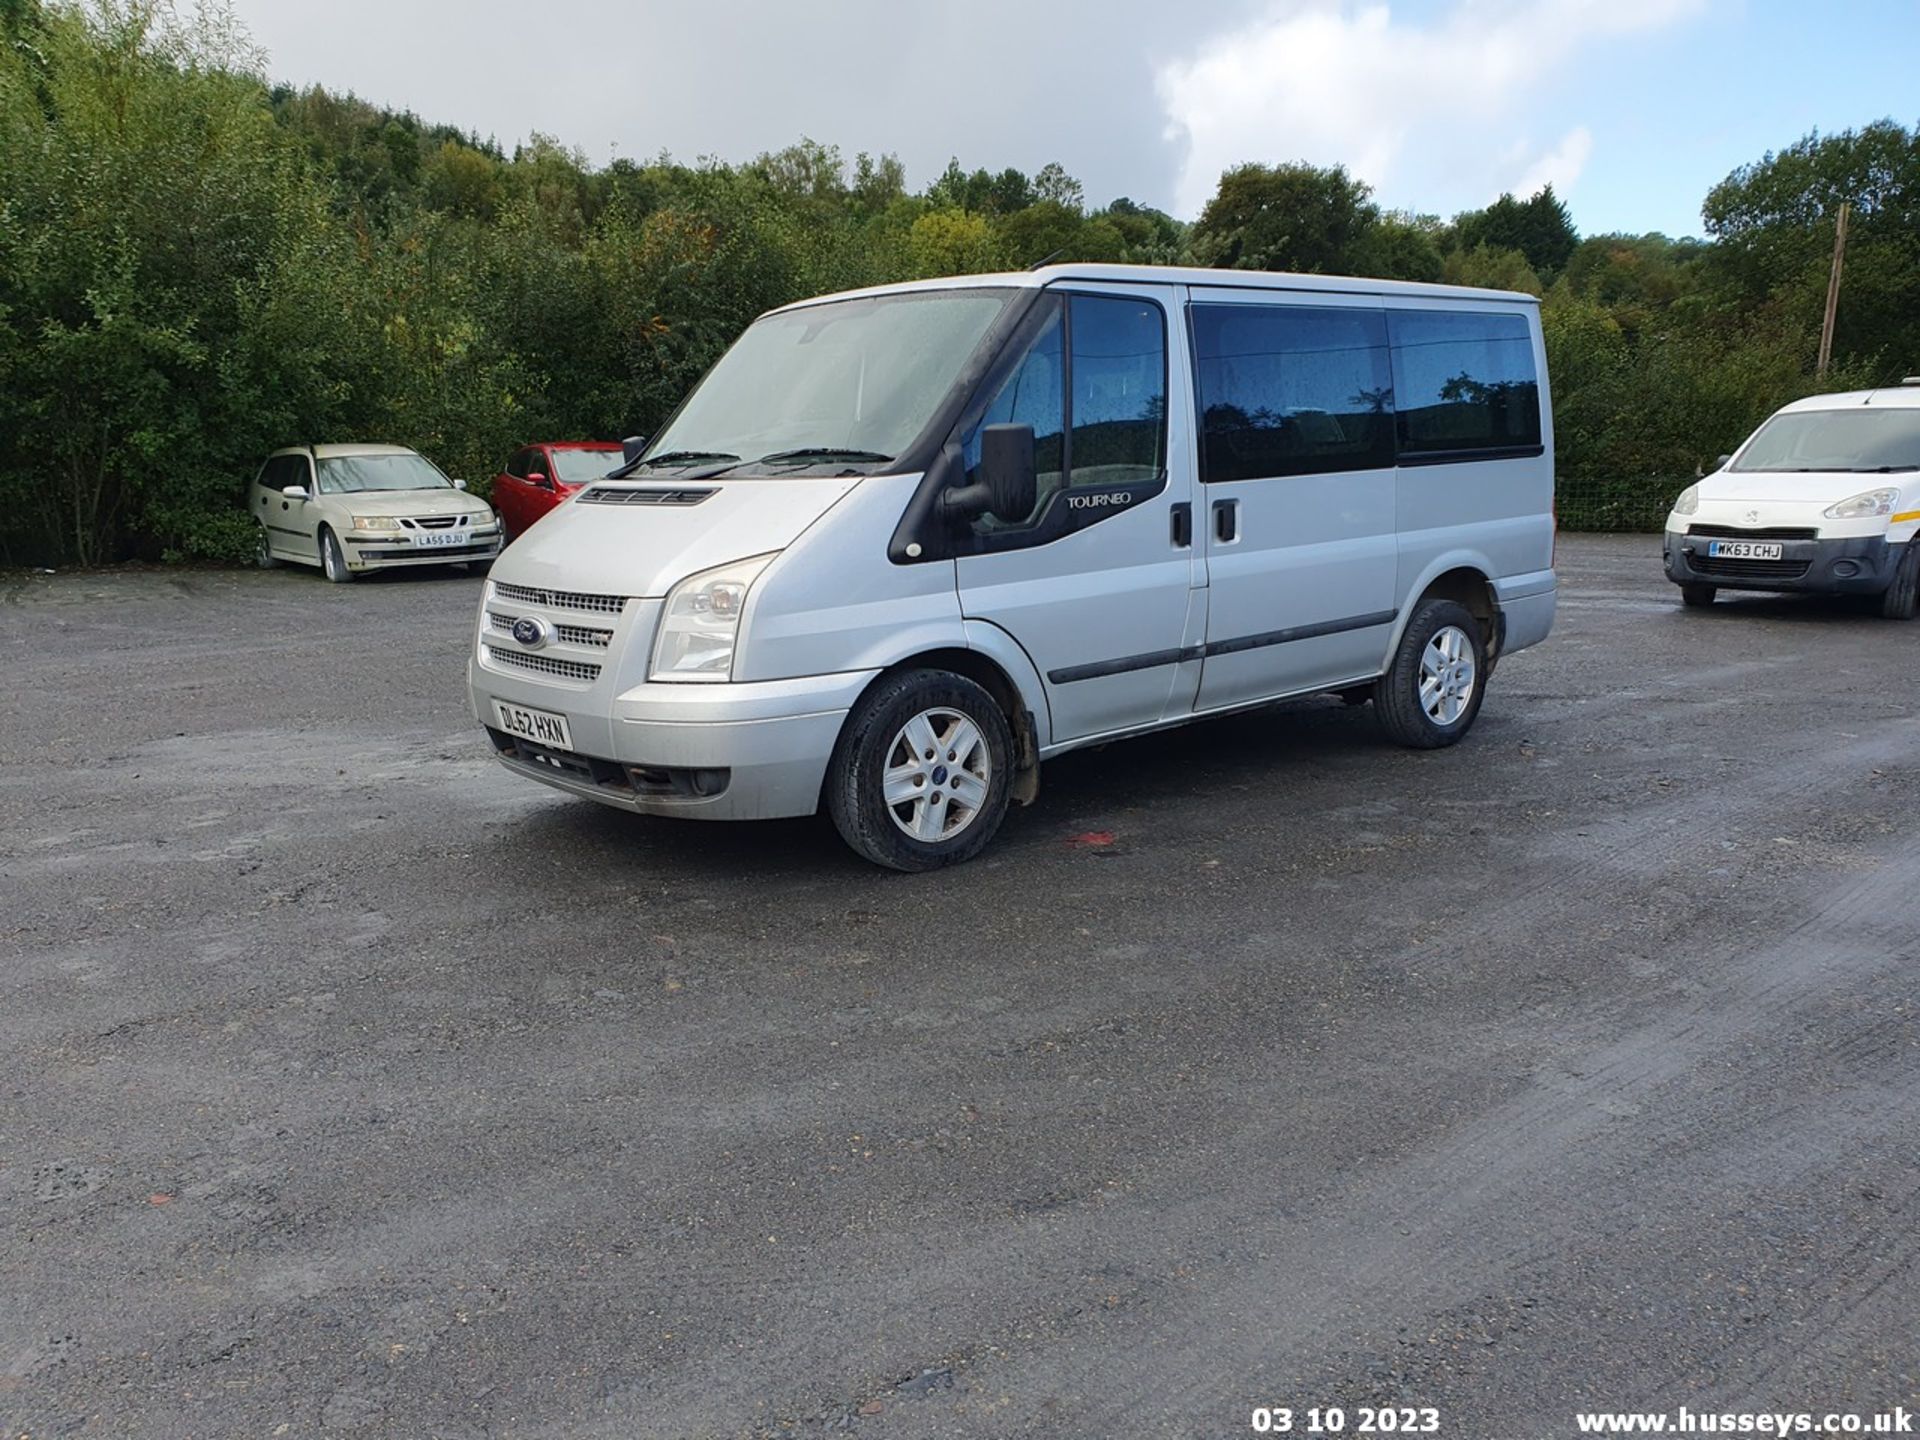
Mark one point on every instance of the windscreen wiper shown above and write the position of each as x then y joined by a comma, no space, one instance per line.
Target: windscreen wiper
671,457
824,452
686,457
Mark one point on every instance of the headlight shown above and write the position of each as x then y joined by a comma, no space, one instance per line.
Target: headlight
702,622
375,522
1859,507
1689,501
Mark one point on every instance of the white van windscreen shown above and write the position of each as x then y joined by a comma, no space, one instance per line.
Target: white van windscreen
1862,439
850,383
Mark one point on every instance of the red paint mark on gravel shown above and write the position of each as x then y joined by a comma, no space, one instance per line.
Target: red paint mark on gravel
1092,839
159,1199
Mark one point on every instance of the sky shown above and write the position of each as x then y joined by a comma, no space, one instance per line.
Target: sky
1632,109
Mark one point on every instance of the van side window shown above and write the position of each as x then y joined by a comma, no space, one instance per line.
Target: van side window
1291,390
1033,394
1119,375
1464,380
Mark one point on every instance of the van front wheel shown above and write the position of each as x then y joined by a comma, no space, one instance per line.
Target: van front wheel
1902,598
1432,691
920,776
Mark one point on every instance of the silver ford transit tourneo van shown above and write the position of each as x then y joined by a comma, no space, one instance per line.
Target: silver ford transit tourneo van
901,545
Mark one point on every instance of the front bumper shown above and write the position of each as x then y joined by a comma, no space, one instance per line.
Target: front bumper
1849,565
754,751
377,550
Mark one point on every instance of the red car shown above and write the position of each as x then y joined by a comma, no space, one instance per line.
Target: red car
539,477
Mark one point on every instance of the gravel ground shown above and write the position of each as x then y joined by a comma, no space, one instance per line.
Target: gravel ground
351,1085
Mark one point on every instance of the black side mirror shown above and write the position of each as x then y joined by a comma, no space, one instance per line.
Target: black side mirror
631,447
1009,485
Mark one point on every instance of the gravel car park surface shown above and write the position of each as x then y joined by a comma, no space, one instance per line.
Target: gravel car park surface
349,1084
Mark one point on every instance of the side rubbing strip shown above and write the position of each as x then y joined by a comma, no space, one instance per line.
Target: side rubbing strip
1098,668
1068,674
1300,632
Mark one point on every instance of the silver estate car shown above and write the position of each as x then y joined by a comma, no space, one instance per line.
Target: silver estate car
354,508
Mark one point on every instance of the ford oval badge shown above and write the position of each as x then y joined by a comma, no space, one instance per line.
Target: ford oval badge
530,632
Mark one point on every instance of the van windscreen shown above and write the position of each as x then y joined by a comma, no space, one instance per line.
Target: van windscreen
850,383
1865,439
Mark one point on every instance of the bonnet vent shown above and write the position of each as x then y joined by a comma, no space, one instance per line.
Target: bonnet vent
626,495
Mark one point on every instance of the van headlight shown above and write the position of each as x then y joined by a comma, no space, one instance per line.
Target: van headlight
701,625
1689,501
1866,503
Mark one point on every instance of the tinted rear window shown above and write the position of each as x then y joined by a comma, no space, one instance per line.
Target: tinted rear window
1291,390
1463,381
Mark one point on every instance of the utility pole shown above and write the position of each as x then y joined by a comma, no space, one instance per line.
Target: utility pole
1833,287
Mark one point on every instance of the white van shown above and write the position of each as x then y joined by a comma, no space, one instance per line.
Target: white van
901,545
1824,496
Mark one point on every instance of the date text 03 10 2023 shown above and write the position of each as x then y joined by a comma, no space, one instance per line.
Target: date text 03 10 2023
1333,1420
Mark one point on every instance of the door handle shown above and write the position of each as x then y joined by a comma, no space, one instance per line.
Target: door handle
1226,521
1182,525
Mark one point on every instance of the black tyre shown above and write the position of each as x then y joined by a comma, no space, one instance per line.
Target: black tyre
263,555
920,776
1696,596
1902,598
333,560
1431,693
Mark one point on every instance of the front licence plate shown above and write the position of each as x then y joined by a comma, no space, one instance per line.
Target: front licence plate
540,726
1744,550
439,539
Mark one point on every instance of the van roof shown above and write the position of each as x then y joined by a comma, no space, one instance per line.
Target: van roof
1906,397
1182,275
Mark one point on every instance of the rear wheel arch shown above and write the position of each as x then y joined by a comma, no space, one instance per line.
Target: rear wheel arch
1469,586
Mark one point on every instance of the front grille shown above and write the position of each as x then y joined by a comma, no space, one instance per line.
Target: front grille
561,599
1706,564
622,495
1734,532
543,664
433,522
571,634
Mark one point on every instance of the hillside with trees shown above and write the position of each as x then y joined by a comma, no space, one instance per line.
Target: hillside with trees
197,266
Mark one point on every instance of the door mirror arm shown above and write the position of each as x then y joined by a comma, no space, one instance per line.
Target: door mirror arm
294,492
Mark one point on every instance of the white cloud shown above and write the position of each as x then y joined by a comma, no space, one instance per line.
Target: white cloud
1560,166
1433,115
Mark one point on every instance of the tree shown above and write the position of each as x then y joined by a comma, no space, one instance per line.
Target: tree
951,242
1773,226
1540,229
1491,269
1054,186
1396,248
1284,217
